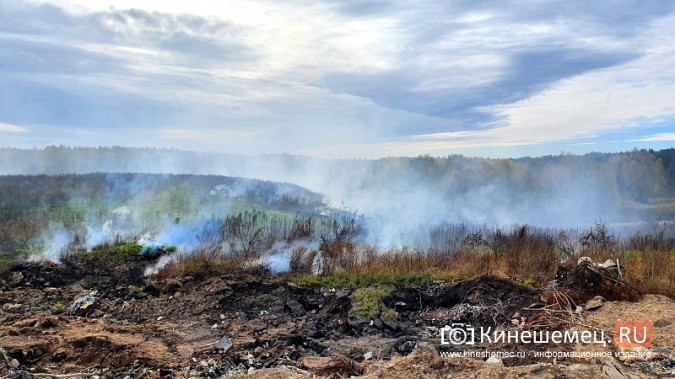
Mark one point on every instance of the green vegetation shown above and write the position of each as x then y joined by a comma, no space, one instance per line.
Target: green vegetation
368,303
124,251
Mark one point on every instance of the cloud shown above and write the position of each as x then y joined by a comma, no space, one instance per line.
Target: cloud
658,137
9,128
382,77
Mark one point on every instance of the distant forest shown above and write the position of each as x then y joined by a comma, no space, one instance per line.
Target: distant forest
637,175
555,190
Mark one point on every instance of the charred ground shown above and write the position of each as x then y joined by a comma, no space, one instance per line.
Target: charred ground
114,323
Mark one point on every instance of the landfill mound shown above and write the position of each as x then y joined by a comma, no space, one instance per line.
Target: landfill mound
58,320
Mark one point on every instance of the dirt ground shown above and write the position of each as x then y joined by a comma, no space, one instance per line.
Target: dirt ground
245,325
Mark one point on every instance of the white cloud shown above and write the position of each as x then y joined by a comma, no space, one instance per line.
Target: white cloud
658,138
9,128
628,95
409,71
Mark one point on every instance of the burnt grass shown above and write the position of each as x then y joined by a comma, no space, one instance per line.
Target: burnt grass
263,320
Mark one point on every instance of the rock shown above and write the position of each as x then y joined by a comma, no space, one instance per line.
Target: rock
85,305
295,308
661,323
391,324
11,308
495,360
406,346
224,345
594,303
584,261
368,355
612,370
97,313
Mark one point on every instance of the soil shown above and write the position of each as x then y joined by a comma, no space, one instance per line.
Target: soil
251,324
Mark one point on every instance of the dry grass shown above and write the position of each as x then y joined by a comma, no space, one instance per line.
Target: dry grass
531,258
650,271
202,265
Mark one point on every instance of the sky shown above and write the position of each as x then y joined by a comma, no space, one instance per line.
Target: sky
367,78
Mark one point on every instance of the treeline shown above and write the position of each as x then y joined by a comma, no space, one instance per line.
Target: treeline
637,175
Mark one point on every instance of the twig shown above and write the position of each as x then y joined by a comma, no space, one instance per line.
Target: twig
618,268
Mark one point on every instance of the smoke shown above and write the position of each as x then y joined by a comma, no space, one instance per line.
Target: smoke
56,243
400,197
278,258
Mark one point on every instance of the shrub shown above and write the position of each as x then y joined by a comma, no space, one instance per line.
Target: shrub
368,302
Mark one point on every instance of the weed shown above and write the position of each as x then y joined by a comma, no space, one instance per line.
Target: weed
368,302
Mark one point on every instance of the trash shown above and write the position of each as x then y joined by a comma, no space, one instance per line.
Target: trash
584,261
85,305
368,355
223,345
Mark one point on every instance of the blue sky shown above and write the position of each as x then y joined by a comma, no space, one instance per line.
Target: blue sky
346,78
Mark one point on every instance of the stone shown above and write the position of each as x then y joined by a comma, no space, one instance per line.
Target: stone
223,345
11,308
295,308
594,303
661,323
495,360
